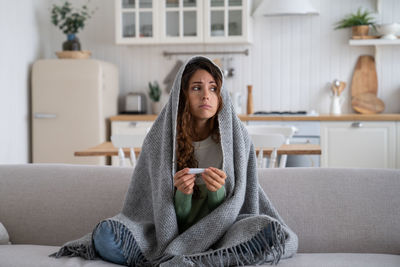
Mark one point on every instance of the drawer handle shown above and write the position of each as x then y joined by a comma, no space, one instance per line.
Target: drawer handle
44,116
132,124
356,124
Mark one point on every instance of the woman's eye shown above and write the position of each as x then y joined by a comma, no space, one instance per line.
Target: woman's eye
213,89
196,88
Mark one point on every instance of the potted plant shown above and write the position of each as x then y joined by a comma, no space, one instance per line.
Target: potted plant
155,97
359,22
70,20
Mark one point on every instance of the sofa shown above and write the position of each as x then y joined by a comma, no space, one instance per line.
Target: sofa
343,217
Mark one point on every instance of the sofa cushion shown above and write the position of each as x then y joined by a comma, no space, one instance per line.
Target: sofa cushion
341,259
37,256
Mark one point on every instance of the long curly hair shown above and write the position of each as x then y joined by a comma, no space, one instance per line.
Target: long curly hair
185,123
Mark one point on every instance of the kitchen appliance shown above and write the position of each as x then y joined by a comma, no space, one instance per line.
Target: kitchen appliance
134,103
72,100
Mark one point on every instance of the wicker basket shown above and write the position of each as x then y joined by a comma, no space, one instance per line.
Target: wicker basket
74,54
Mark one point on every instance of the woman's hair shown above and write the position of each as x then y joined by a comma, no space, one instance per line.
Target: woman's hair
185,124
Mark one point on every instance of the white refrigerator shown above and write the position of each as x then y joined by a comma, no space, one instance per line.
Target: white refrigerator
72,100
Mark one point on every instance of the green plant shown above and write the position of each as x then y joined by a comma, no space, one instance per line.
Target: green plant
68,19
356,19
154,91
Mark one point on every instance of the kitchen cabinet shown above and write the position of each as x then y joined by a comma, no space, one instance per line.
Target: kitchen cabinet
135,22
227,21
359,144
183,21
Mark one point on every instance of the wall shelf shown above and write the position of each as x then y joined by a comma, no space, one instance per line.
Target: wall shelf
374,42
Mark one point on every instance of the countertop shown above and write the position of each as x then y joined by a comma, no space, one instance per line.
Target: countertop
323,117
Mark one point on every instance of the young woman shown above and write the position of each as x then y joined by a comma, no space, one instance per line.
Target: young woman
198,144
173,217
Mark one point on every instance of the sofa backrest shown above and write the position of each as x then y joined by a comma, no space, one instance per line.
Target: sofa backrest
338,210
49,204
331,210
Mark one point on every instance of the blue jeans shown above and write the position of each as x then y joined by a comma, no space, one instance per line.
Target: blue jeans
106,247
267,233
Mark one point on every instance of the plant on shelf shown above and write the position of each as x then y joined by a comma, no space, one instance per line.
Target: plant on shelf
155,96
70,20
359,22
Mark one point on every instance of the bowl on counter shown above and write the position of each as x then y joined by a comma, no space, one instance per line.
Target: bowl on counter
388,31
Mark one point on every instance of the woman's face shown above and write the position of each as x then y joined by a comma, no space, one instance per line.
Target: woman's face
203,95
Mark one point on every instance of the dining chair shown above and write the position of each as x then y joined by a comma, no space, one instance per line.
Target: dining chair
267,140
285,130
130,141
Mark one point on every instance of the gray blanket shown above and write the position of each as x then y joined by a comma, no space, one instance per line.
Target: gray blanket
232,234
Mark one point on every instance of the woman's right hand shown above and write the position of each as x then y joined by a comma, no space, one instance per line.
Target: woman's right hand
184,182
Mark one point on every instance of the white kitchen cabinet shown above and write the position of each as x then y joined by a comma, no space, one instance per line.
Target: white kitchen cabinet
129,127
227,21
183,21
136,22
364,144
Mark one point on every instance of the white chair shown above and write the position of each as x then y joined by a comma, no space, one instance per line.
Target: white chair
130,141
267,140
286,130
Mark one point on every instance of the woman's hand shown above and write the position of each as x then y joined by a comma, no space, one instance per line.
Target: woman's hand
214,178
184,182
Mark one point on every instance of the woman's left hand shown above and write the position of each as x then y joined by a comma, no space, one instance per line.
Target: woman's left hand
214,178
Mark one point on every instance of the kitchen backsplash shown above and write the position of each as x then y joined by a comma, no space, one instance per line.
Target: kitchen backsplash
291,62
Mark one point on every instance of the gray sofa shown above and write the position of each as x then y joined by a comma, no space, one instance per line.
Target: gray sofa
343,217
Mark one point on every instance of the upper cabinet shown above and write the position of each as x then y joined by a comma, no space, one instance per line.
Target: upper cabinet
227,21
182,21
136,22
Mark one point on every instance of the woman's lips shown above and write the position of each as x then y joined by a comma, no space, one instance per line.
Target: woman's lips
205,106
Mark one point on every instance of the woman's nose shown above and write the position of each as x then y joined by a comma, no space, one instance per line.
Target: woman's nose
206,93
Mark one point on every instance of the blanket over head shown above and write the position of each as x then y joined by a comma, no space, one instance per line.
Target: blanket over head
232,234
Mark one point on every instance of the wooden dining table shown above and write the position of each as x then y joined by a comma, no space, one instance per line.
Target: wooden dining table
108,149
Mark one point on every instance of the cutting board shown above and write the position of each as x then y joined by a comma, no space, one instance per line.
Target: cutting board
367,104
365,79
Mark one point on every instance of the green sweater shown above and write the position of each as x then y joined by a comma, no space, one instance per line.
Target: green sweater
189,210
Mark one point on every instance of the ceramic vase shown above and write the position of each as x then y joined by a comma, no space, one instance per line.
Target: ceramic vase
72,43
156,107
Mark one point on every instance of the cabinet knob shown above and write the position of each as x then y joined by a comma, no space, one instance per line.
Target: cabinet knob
356,124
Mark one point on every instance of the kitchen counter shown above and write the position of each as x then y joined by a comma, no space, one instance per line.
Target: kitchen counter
323,117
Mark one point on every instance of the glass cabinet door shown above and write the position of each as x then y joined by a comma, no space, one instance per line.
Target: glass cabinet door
226,20
181,20
137,21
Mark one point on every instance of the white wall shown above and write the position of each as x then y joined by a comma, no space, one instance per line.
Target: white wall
20,46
